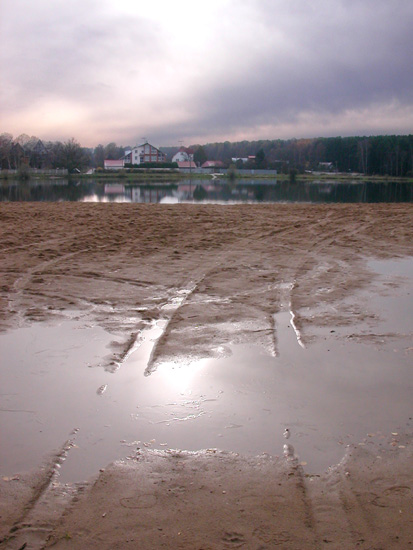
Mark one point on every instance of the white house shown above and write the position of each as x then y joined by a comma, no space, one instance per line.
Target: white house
144,153
184,154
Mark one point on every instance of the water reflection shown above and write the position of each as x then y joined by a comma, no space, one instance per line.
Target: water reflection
180,377
206,191
338,391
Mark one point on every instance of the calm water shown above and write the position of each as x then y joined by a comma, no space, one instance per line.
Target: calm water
206,191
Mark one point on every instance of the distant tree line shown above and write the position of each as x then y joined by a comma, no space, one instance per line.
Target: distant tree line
32,152
374,155
26,151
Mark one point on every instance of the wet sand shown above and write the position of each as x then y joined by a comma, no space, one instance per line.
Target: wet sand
216,275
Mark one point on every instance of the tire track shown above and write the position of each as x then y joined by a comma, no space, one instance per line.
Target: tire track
15,298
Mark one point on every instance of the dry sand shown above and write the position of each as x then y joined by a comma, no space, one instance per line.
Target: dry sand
217,275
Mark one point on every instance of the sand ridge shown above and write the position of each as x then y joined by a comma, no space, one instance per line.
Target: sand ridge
216,274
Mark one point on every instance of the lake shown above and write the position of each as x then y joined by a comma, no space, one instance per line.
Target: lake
201,190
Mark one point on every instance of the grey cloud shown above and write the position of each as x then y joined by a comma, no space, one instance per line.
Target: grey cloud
63,51
332,66
321,57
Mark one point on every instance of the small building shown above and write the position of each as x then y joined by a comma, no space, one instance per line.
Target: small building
213,164
185,154
187,165
114,164
326,166
17,156
144,153
38,155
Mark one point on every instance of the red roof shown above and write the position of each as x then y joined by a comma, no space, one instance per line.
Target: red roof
187,164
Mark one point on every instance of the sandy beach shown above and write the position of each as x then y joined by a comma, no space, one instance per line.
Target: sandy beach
217,275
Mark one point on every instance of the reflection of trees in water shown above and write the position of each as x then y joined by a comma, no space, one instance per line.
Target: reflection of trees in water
328,192
200,193
259,194
49,191
333,192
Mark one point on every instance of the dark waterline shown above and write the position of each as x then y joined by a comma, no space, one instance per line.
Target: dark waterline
222,191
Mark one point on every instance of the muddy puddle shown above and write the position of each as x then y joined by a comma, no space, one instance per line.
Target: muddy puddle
349,385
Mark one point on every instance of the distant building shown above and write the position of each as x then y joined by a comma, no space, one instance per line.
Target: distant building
184,154
114,164
239,159
144,153
187,165
18,156
213,164
326,166
38,154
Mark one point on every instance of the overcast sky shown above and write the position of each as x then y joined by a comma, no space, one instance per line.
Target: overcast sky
196,72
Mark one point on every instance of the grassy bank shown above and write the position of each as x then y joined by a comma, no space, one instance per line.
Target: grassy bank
173,176
178,176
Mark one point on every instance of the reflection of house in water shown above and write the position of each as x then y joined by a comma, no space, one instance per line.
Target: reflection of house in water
202,190
213,191
114,189
325,189
195,190
186,191
150,194
136,194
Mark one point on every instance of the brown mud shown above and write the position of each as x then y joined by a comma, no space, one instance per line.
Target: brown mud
217,275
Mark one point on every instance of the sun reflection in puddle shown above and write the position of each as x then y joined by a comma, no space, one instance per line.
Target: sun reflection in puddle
181,376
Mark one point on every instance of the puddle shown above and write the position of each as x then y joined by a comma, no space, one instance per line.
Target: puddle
394,294
47,388
332,393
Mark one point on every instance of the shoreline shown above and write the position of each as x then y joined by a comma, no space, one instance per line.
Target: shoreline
161,176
